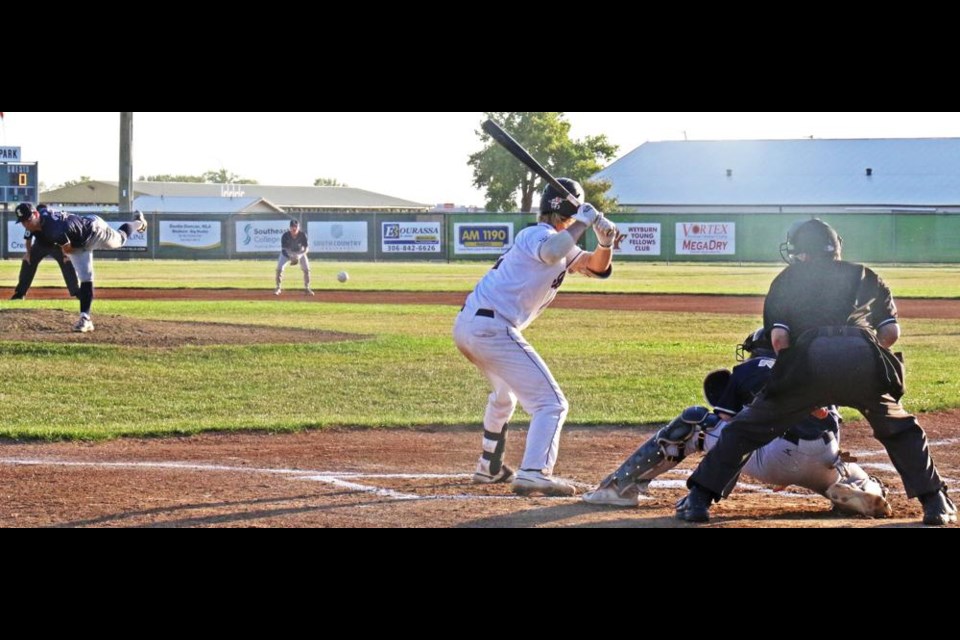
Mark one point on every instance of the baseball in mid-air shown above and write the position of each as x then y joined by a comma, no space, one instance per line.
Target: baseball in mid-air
343,276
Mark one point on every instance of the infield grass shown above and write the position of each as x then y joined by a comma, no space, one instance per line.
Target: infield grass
921,281
615,367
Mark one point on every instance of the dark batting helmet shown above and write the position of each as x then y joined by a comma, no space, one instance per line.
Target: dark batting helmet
757,344
552,201
813,237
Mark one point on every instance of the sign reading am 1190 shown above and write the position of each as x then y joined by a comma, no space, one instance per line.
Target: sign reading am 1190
18,182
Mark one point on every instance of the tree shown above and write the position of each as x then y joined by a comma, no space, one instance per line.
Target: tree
225,177
329,182
215,177
170,178
546,135
71,183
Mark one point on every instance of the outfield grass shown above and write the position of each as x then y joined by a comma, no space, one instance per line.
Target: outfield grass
628,368
922,281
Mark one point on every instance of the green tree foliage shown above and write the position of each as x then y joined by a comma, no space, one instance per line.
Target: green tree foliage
215,177
329,182
170,178
546,135
71,183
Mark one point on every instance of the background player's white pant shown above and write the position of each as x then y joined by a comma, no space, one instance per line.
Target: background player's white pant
516,372
304,266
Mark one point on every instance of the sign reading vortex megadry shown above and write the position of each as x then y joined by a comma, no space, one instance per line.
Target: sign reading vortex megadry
483,237
410,237
706,238
192,234
260,236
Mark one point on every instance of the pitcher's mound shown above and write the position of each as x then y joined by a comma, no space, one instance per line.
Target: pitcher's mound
48,325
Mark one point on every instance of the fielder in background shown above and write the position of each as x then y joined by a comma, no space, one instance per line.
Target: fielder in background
36,250
78,237
488,331
807,455
293,250
832,324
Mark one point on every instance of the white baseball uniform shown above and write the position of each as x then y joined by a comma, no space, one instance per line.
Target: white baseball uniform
488,332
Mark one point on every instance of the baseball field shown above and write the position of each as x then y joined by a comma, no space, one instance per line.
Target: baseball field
204,400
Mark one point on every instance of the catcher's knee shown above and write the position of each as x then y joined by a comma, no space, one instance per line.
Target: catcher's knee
686,433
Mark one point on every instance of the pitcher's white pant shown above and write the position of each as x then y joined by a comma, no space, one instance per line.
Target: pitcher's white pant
304,266
516,372
104,237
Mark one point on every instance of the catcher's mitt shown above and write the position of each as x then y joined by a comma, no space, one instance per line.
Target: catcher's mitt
715,384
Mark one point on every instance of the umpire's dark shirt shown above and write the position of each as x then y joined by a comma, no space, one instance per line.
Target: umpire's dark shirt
826,293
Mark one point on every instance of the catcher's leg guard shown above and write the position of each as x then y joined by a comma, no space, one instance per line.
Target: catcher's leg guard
664,451
856,492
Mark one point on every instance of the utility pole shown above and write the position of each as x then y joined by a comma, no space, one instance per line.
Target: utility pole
125,196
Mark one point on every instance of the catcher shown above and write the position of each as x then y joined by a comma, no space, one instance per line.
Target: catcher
807,455
293,250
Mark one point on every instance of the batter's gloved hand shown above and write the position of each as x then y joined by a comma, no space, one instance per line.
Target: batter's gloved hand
587,214
606,232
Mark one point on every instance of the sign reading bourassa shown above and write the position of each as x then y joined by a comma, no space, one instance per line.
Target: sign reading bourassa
706,238
9,154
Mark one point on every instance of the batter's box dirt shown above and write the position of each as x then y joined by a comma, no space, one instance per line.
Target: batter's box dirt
53,325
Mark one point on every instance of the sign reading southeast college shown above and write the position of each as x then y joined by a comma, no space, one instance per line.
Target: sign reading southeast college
706,238
483,237
260,236
192,234
15,241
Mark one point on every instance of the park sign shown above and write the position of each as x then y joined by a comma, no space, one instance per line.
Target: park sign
9,154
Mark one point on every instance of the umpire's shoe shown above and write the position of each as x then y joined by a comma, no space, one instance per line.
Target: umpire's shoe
696,506
938,509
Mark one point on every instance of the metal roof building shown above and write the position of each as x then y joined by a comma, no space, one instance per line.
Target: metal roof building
810,176
288,199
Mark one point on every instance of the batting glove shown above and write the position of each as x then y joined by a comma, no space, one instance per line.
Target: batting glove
587,214
606,232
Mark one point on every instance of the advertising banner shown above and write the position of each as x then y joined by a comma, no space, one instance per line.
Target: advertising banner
642,239
260,236
410,237
337,237
483,237
192,234
706,239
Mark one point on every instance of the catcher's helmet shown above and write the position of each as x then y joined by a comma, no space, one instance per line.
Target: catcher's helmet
757,344
552,201
813,237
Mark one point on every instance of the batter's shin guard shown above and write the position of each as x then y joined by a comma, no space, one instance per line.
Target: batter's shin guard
494,445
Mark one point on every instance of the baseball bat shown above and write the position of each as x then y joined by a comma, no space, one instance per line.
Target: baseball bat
517,151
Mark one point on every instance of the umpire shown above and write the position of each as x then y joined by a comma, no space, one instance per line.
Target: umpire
36,250
832,323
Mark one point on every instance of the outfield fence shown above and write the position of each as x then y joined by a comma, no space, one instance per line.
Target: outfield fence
689,237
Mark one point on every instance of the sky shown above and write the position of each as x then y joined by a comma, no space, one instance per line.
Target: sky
419,156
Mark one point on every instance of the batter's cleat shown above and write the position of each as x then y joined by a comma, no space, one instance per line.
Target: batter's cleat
308,292
938,509
278,291
17,296
696,506
609,496
505,474
853,499
532,481
84,325
141,221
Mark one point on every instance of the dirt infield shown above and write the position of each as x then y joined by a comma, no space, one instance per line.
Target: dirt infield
388,478
384,478
753,305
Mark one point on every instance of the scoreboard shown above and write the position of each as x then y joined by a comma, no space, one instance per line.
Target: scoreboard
18,182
